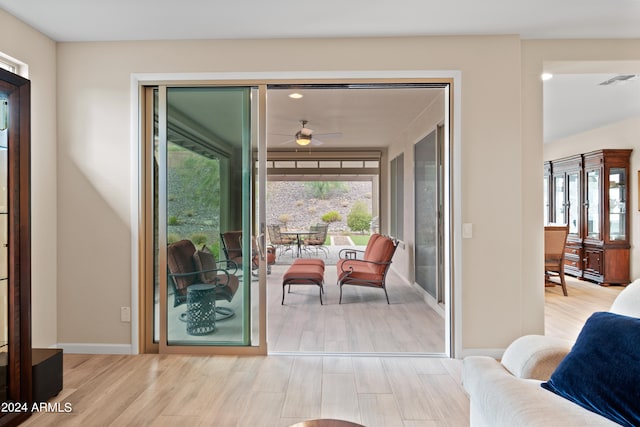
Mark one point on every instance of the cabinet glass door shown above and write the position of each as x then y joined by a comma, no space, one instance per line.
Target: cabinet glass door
558,200
573,198
545,186
617,204
4,278
593,204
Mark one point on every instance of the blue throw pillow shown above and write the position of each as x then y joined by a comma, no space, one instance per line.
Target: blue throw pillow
602,371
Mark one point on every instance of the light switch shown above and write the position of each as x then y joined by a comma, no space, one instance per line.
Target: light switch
467,230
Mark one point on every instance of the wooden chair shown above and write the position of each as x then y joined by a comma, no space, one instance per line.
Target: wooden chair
368,267
555,239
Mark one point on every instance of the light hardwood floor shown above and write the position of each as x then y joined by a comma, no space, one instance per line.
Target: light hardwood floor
363,323
565,316
169,390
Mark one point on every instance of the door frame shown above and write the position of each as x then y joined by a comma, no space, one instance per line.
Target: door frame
453,336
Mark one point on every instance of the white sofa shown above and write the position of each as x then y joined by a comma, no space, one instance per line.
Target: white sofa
508,393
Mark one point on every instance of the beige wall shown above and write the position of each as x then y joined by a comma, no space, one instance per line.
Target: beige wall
624,134
39,53
95,185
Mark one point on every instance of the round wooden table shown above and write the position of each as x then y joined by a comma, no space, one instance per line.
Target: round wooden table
326,423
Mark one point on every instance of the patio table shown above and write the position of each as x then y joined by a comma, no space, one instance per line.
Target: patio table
298,236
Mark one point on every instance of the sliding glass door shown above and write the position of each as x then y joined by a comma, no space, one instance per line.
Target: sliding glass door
201,205
429,217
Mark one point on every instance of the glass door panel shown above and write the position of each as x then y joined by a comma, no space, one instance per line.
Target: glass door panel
559,200
203,160
545,185
573,197
617,204
427,214
593,204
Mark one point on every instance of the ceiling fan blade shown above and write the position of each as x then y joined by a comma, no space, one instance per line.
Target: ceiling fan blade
316,142
289,141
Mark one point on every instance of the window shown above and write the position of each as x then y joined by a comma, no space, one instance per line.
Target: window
13,65
397,197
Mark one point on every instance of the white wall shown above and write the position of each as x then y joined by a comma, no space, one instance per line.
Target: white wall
39,53
624,134
421,126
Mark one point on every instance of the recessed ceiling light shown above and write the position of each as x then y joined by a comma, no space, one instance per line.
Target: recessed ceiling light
295,95
546,76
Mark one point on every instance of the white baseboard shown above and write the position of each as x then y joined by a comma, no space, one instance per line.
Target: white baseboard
74,348
431,301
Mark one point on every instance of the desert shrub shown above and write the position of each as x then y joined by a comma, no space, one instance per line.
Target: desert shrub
359,218
331,216
172,238
284,218
322,189
199,239
173,220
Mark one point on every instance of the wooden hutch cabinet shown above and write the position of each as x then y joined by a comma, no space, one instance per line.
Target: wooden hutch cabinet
591,194
15,252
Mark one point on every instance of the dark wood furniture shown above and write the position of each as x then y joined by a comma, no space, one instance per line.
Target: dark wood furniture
47,373
591,196
15,250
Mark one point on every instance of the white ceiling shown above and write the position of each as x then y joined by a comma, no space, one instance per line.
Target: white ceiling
101,20
364,118
573,103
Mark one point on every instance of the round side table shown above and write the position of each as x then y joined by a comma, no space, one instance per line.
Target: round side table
201,309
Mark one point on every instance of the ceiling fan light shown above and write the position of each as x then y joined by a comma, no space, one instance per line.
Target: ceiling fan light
302,139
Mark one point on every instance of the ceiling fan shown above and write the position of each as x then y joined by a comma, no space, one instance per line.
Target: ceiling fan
304,136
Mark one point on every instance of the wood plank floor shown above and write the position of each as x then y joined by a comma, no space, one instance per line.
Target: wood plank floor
565,316
159,390
363,323
169,390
